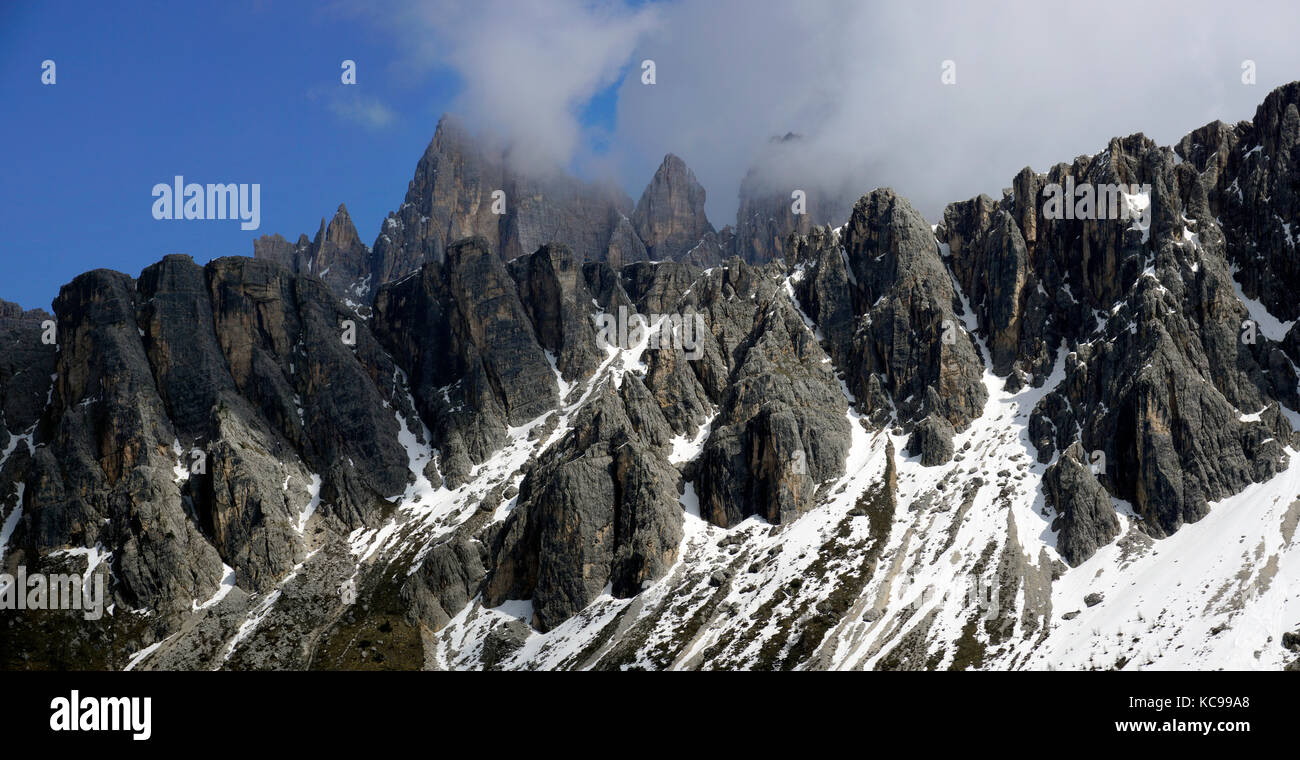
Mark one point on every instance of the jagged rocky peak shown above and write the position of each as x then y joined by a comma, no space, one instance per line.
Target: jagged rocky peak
466,187
449,198
881,295
26,364
336,255
670,216
1165,397
1250,172
340,233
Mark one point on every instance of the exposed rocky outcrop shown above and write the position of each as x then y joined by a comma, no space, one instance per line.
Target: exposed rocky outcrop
1159,374
102,474
781,428
599,510
1086,518
336,255
26,368
554,295
313,370
880,294
931,440
1249,173
465,340
670,218
189,413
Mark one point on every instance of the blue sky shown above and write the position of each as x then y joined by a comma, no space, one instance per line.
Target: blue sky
237,91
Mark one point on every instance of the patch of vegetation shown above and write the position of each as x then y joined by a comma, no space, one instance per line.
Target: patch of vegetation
65,640
970,650
372,636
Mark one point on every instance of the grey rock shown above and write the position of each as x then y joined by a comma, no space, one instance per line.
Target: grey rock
601,509
463,336
670,218
931,439
503,641
882,297
1086,517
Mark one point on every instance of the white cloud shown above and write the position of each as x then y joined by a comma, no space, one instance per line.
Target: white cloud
353,106
529,68
1037,83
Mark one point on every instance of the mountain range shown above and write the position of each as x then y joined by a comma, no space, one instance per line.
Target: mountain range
994,440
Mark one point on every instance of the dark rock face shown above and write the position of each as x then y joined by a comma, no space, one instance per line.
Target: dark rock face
1086,515
283,339
554,295
447,580
781,428
465,339
102,476
185,405
624,245
336,255
998,279
600,509
670,217
931,439
1157,374
885,303
26,366
1249,174
449,198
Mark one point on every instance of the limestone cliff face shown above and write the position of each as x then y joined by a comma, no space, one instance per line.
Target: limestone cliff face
463,336
1249,175
336,255
26,366
1159,374
186,403
465,188
884,300
670,218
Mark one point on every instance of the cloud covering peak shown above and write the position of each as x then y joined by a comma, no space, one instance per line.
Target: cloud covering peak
862,83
